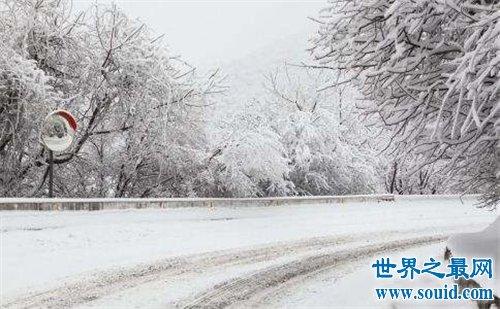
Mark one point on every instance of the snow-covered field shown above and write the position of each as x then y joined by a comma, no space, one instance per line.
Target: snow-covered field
293,255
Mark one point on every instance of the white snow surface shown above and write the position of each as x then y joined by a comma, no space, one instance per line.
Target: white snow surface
354,286
41,250
482,244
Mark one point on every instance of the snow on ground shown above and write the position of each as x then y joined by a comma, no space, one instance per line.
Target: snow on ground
354,286
485,243
41,250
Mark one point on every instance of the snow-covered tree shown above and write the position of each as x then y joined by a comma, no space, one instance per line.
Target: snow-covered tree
247,157
400,180
430,72
294,140
328,145
137,107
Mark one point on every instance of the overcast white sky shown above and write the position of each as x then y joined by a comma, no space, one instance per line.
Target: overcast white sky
210,33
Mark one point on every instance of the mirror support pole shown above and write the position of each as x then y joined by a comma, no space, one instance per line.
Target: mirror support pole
51,173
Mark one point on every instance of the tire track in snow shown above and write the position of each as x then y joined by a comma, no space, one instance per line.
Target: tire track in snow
95,286
91,287
239,290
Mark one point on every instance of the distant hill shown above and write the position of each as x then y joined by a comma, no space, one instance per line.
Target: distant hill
246,75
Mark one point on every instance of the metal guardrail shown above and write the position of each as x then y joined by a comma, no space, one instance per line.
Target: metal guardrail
125,203
137,203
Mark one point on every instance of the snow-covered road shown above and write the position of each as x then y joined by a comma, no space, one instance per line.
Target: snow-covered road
218,256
